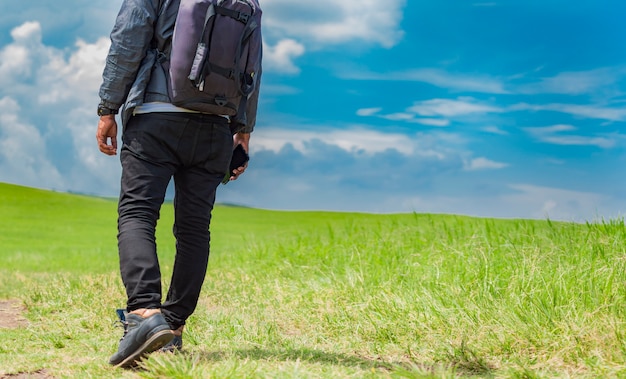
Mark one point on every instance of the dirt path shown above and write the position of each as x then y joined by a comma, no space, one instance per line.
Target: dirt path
11,314
41,374
12,317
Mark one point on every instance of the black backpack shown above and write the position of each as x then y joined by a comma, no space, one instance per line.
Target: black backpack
215,56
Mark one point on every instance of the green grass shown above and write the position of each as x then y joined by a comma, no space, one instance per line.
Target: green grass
325,295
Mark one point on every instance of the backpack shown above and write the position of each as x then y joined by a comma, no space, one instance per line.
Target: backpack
215,57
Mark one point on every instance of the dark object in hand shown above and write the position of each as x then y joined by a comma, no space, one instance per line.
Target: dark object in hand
240,157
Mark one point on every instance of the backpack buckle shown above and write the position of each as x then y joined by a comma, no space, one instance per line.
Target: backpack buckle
243,17
221,101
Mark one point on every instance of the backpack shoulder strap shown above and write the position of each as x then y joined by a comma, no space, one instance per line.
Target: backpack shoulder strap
242,17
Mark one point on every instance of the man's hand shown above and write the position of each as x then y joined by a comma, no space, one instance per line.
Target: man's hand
107,131
242,139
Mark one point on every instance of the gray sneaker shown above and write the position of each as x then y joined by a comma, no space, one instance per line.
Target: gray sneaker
141,336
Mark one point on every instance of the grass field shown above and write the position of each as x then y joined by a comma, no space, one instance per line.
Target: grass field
324,295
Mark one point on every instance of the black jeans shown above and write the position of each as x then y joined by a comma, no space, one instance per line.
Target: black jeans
195,150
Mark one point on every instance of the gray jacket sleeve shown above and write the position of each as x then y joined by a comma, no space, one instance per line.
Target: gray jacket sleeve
253,100
130,40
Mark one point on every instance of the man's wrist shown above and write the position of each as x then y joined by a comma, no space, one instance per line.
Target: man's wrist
104,110
242,138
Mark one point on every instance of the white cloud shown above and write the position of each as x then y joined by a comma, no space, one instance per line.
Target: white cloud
521,200
329,21
23,151
76,78
543,130
451,108
401,116
435,112
576,82
368,111
556,203
459,82
432,121
425,156
280,57
353,140
358,140
603,81
276,89
482,163
13,63
554,134
581,110
494,130
27,33
57,101
436,77
16,59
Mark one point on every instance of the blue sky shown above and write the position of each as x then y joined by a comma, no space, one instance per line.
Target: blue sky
510,109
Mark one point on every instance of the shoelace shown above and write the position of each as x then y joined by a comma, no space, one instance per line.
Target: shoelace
122,321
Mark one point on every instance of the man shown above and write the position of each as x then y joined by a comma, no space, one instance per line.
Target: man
160,141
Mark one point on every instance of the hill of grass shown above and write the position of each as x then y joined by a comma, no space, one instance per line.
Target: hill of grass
325,295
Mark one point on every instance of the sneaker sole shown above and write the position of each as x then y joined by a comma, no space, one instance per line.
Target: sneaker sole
157,341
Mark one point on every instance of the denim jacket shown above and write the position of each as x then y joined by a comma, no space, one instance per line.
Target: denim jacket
133,74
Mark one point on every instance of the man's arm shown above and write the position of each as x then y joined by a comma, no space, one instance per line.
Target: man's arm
130,39
243,136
